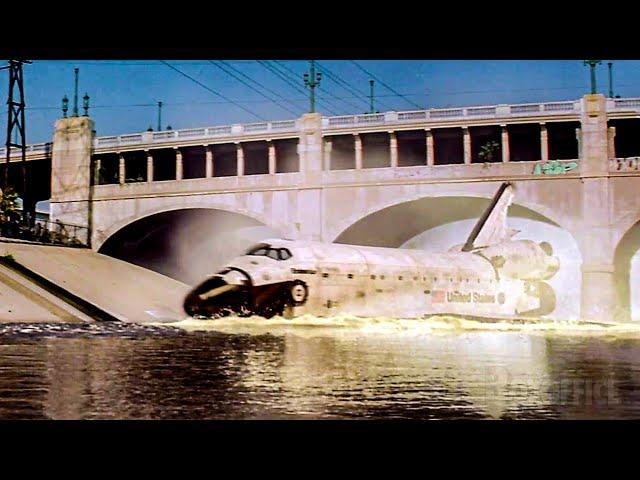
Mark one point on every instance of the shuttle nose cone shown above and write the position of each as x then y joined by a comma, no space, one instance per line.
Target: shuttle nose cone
215,298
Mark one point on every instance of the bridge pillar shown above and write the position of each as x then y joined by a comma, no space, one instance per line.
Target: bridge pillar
544,142
310,148
430,150
623,293
178,164
466,143
239,159
122,172
599,292
611,142
328,146
310,199
505,144
594,143
599,295
600,287
272,158
358,147
579,141
96,171
149,166
71,171
208,166
393,149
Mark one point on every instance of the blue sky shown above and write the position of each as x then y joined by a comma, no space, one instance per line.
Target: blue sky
124,93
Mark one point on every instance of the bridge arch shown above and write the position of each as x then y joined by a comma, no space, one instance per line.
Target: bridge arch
105,230
627,274
184,243
438,222
449,207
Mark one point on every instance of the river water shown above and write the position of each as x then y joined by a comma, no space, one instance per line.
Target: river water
312,368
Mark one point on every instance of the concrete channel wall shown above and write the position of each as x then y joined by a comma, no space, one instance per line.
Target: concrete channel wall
124,291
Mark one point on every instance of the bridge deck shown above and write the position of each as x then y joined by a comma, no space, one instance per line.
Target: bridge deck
345,124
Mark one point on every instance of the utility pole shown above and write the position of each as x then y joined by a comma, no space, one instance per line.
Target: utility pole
159,116
592,64
15,121
610,64
312,80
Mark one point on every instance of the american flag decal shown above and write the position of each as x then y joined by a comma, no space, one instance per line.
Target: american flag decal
437,296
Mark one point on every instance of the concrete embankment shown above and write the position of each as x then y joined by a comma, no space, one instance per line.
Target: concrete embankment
22,300
42,276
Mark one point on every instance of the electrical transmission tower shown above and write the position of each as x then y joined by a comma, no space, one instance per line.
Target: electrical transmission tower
15,120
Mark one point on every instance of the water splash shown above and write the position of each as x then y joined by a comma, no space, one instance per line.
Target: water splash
310,325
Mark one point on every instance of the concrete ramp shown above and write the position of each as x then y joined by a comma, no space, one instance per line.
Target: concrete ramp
122,290
21,300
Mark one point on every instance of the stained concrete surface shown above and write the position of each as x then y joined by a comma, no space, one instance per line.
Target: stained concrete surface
128,292
23,301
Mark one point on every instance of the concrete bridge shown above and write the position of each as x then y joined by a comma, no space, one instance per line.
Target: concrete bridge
377,179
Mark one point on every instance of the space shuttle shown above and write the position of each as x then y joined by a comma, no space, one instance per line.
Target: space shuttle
489,276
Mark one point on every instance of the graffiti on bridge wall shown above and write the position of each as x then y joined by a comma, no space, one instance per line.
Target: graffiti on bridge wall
554,167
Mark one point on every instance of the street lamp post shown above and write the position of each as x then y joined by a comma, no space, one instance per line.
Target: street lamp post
610,65
75,92
85,104
592,65
371,109
312,80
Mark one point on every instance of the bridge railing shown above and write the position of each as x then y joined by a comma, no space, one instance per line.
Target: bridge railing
629,164
43,231
168,136
462,113
33,148
626,104
342,121
503,111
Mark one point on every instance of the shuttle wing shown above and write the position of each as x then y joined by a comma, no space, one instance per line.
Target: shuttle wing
492,225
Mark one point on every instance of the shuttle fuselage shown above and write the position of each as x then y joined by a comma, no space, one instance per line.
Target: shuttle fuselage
298,277
500,278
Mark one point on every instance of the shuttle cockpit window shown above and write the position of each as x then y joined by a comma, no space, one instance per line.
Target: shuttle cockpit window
260,249
273,253
285,254
264,250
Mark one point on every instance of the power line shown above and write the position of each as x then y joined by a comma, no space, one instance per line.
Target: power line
262,86
281,76
226,70
212,91
330,77
304,100
385,85
294,74
280,64
346,86
283,66
284,77
134,63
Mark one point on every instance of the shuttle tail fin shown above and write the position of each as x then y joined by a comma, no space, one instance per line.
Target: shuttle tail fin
492,228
